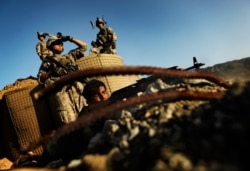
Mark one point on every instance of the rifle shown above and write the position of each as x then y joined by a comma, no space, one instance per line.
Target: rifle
196,65
141,85
60,68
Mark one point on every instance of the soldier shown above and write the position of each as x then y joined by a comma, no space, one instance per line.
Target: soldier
105,40
68,101
41,48
75,144
95,91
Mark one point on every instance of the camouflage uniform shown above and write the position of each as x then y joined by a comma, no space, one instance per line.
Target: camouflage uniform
41,48
68,101
42,51
105,40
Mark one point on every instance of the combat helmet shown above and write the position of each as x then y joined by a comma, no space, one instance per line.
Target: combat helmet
99,20
52,40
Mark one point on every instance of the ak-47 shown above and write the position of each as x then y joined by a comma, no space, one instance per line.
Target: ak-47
141,85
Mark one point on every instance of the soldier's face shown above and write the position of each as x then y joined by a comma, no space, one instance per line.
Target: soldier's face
101,95
58,47
41,38
100,25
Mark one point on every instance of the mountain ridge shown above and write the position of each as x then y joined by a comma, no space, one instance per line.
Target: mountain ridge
234,70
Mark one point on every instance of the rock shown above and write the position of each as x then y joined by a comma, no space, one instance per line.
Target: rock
5,164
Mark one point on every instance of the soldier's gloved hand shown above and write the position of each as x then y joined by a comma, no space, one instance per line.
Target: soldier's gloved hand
64,38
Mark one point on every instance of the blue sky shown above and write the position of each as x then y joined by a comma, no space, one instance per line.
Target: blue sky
159,33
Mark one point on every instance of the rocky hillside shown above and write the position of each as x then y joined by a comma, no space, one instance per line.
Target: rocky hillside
234,71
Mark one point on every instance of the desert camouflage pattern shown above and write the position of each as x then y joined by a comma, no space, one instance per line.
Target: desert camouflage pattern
67,103
42,50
